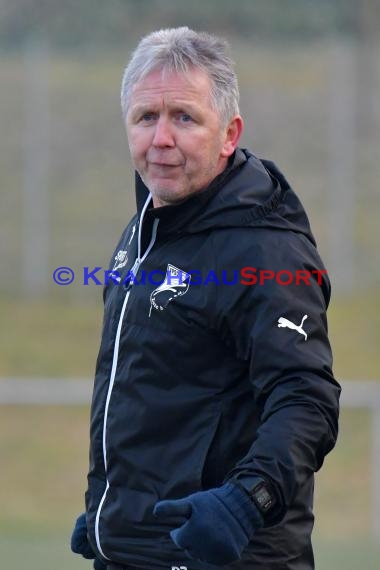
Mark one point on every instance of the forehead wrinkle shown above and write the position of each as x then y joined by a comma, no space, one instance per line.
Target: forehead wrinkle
168,105
146,94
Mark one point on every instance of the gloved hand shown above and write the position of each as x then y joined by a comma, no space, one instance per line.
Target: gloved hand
217,523
80,544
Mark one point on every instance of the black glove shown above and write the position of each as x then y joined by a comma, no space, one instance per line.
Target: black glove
217,524
81,545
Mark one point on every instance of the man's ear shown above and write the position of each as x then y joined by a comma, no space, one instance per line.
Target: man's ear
233,133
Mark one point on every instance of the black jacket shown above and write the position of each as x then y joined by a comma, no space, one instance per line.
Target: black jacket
198,382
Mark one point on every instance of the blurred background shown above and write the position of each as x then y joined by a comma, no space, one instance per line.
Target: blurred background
310,89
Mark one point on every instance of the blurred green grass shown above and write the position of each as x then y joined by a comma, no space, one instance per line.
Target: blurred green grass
42,553
44,458
346,555
49,337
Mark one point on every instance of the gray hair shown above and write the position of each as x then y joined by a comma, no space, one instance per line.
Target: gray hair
178,50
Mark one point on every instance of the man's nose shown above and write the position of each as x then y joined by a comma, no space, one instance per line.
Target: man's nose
163,133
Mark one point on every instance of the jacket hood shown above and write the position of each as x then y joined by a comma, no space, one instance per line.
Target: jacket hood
250,192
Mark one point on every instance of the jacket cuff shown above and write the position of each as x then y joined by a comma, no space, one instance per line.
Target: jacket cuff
241,506
248,482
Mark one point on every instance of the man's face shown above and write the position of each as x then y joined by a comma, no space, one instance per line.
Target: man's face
176,139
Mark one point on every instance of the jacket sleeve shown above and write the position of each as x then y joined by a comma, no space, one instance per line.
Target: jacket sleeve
289,368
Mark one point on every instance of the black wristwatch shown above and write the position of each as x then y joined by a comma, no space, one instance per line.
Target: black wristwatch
263,496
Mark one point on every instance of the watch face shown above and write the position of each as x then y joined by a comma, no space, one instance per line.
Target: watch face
263,499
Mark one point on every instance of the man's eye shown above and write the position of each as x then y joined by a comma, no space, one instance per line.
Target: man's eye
185,117
147,117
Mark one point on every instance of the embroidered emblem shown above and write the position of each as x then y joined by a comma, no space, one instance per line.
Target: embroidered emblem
176,284
121,259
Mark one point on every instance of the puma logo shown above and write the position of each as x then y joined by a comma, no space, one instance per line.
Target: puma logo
282,322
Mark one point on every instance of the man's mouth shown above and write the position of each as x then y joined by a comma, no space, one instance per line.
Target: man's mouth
164,164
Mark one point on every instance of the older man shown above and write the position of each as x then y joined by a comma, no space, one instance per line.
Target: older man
214,401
